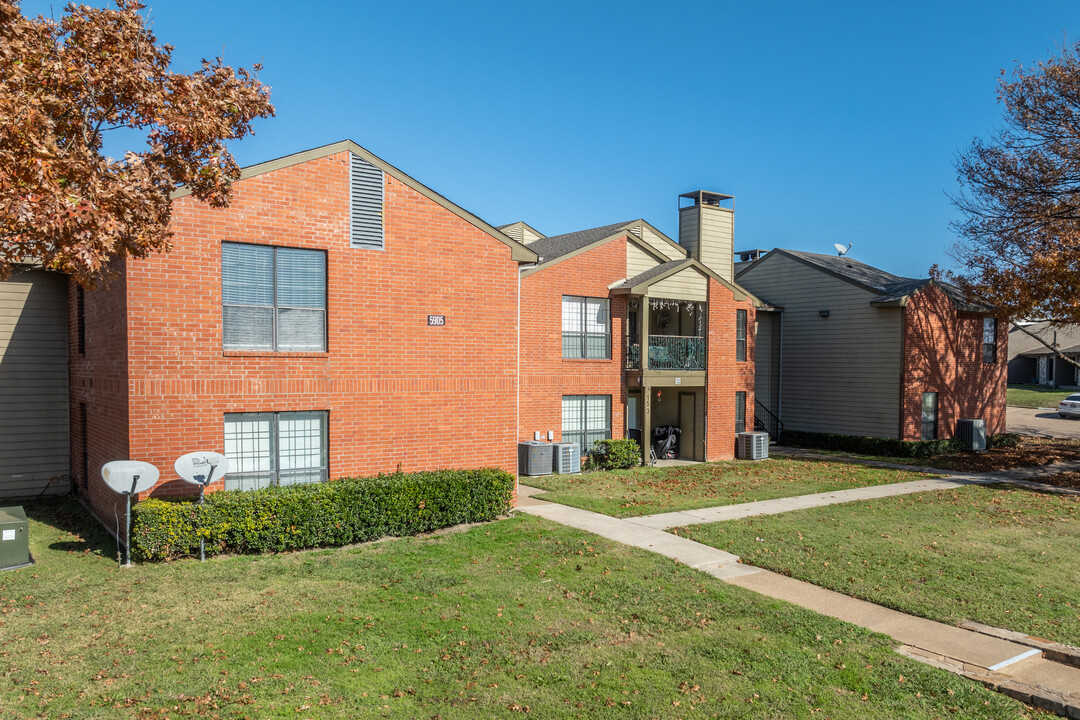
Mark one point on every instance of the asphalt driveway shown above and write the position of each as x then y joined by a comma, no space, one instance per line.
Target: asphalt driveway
1044,423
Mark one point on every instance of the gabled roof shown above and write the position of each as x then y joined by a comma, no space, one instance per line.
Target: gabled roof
638,284
523,224
1067,338
892,290
517,251
550,248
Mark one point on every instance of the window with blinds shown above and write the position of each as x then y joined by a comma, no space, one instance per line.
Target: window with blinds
267,449
989,340
273,298
366,185
586,328
586,419
740,335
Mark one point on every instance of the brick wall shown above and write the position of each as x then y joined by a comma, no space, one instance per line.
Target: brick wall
726,376
943,354
545,375
98,379
398,392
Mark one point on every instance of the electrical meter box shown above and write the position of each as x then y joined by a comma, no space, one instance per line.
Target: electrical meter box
14,538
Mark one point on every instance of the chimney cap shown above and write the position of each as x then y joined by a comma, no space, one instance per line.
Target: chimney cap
705,197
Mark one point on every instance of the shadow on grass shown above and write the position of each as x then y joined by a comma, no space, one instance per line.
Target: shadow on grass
66,515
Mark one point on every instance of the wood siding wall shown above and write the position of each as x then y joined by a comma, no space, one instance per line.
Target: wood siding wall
688,284
767,361
638,261
717,243
34,454
840,374
657,242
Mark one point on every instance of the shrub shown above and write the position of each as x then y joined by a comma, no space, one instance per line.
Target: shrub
888,447
616,454
341,512
1003,440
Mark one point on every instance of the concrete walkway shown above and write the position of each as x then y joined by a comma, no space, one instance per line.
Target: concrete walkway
1007,665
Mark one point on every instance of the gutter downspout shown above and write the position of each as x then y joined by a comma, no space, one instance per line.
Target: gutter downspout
517,380
780,376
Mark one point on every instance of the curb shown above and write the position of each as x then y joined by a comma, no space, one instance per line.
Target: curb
1058,652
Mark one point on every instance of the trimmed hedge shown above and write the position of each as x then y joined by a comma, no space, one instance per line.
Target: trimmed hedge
887,446
615,454
345,511
870,445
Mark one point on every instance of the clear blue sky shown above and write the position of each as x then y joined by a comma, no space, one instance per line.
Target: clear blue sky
828,122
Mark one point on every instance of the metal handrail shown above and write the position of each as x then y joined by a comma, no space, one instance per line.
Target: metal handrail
770,424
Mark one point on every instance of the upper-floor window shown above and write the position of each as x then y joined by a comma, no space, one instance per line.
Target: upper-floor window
586,328
989,340
273,298
740,335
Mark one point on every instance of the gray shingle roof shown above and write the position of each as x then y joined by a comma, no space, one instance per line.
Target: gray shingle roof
892,289
653,272
550,248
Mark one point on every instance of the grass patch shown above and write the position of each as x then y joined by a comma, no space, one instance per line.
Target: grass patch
648,490
514,617
1035,396
998,555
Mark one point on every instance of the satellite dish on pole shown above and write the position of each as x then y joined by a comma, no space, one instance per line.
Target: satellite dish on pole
129,477
201,468
841,250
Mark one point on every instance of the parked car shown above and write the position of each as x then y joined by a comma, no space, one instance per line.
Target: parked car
1070,406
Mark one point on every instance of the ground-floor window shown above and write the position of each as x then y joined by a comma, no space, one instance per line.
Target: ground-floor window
266,449
740,411
586,419
929,416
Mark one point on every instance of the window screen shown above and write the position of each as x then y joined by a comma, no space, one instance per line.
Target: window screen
929,416
989,341
586,328
266,449
740,335
586,419
740,411
273,298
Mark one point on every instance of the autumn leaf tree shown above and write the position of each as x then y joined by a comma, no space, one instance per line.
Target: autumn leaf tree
1019,239
65,84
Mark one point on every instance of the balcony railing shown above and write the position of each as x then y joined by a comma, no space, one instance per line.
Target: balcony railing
669,352
633,356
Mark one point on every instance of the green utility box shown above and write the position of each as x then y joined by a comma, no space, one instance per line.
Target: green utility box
14,539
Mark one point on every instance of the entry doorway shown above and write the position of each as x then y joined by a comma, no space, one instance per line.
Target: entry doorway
688,424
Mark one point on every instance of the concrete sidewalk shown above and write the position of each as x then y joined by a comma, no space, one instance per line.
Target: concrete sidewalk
1017,669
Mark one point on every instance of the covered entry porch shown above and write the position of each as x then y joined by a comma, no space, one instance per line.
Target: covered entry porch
668,416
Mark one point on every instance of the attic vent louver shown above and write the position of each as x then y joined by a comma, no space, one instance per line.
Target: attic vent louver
366,184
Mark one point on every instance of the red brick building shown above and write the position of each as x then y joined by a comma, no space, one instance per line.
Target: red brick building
338,318
625,331
847,348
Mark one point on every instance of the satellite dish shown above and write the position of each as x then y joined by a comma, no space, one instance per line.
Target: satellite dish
840,249
202,467
129,477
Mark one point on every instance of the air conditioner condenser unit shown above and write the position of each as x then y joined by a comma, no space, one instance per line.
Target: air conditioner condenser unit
752,446
567,458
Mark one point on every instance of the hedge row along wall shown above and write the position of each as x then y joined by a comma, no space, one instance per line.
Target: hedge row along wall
886,446
349,510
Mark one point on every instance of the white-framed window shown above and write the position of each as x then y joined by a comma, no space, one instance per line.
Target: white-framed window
586,419
273,298
740,335
989,340
586,328
266,449
929,416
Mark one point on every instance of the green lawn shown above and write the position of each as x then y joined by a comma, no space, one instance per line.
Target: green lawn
647,490
515,617
1034,396
1002,556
